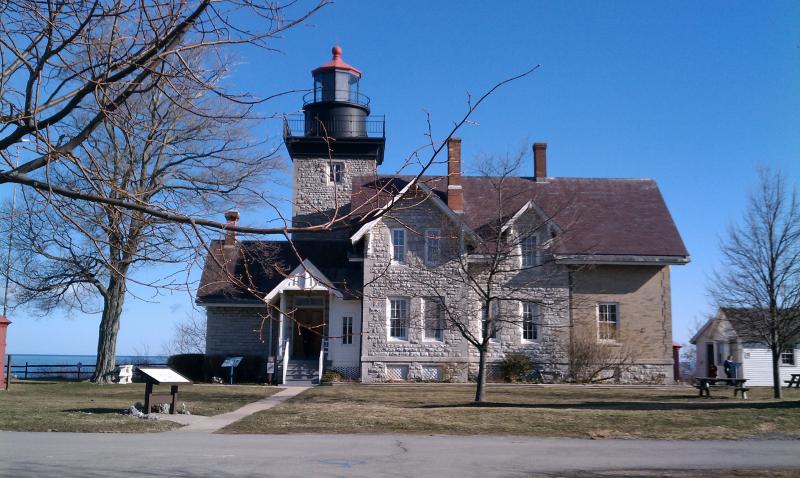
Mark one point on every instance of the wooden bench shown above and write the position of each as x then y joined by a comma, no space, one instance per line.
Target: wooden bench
794,381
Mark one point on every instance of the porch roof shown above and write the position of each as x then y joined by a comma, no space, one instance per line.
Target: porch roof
250,270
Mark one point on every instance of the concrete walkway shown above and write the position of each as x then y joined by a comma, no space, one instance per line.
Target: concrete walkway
200,424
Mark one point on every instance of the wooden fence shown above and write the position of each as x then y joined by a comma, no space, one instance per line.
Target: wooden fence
76,371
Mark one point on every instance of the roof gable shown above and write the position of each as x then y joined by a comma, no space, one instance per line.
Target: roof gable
306,277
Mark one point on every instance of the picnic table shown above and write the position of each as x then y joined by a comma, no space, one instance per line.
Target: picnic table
794,381
704,385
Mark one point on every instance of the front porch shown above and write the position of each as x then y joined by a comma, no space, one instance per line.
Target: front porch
317,326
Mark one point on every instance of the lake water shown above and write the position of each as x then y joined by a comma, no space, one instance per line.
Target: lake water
46,363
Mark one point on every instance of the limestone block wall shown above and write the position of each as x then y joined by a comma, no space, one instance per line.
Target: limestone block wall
643,296
416,280
412,280
316,199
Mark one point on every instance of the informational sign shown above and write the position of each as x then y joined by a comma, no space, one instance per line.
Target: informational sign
164,375
232,362
270,367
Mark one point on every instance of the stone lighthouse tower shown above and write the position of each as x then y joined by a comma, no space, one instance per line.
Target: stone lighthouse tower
335,141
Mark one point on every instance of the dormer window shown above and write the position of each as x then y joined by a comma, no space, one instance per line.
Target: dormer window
337,172
528,251
398,246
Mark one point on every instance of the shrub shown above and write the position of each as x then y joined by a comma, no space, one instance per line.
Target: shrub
251,369
188,365
517,367
332,376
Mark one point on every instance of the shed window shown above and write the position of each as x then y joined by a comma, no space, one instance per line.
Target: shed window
787,357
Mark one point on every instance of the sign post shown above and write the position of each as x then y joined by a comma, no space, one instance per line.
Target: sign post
232,362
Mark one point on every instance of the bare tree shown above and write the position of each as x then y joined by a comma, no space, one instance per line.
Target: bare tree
153,150
74,76
760,273
67,59
189,337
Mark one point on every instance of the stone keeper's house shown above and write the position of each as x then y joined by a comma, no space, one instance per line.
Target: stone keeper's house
371,298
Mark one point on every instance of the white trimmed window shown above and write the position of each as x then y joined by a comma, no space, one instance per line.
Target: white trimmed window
607,321
787,356
399,245
530,319
336,175
492,326
347,330
434,319
398,319
528,251
432,246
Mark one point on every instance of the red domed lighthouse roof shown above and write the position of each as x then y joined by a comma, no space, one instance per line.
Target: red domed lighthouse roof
336,63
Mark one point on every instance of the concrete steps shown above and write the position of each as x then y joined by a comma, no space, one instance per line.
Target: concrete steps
302,372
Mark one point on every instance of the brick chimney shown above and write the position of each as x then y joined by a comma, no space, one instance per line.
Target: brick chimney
231,218
455,195
539,161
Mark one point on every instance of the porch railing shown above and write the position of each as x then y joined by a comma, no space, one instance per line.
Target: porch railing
321,363
285,360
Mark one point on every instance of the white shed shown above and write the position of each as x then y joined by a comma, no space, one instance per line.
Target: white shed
719,338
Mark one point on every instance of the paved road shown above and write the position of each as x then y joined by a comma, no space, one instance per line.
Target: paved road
198,454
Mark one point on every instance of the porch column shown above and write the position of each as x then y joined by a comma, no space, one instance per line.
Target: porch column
282,321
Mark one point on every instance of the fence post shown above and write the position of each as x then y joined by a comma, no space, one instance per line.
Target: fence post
79,370
8,371
26,370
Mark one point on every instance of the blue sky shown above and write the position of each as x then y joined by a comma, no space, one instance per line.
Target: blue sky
694,95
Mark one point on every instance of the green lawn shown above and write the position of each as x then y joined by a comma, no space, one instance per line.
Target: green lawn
86,407
562,411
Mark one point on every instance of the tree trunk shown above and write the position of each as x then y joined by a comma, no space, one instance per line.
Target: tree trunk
776,373
480,391
109,327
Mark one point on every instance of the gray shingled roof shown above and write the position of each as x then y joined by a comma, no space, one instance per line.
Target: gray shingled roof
262,265
597,216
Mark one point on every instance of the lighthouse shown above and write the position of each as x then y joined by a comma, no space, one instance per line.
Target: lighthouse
335,140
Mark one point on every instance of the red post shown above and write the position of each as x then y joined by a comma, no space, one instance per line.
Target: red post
3,329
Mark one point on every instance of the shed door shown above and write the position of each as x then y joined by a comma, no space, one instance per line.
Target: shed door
710,359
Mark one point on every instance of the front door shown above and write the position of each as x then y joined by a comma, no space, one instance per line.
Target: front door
307,334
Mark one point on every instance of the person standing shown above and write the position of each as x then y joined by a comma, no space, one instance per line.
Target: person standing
730,367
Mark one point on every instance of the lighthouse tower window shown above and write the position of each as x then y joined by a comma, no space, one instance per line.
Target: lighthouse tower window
337,172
